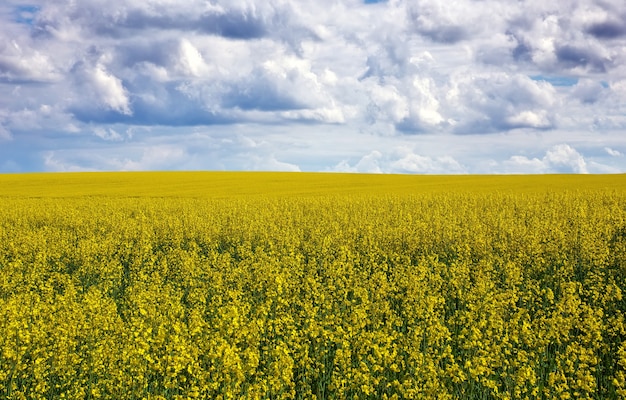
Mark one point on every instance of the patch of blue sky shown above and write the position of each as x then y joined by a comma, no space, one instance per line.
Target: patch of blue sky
556,80
374,1
25,14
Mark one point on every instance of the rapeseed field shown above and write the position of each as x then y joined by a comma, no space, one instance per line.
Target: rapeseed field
312,286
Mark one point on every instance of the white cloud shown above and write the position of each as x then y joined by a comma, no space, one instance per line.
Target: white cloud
415,163
565,156
524,165
190,61
108,134
109,89
560,158
613,152
280,84
402,160
270,163
98,89
500,102
448,22
326,115
369,163
21,62
424,110
527,118
388,103
155,157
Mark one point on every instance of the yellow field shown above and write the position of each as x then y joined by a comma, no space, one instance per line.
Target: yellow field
211,185
326,286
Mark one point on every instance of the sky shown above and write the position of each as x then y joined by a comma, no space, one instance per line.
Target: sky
419,86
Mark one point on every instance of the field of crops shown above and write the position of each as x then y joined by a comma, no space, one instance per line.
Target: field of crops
312,286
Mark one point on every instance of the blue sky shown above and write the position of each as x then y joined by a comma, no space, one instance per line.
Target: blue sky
420,86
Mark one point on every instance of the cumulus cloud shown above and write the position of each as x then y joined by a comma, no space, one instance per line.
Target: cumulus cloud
613,152
284,84
190,61
109,89
450,23
20,62
402,160
424,106
500,102
271,164
589,91
415,163
106,91
560,158
564,156
387,102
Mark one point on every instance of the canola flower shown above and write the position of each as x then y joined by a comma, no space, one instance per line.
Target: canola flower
289,286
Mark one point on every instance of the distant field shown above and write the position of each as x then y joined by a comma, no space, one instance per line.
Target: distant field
312,286
226,184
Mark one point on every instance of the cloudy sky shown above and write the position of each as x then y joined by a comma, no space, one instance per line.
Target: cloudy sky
415,86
